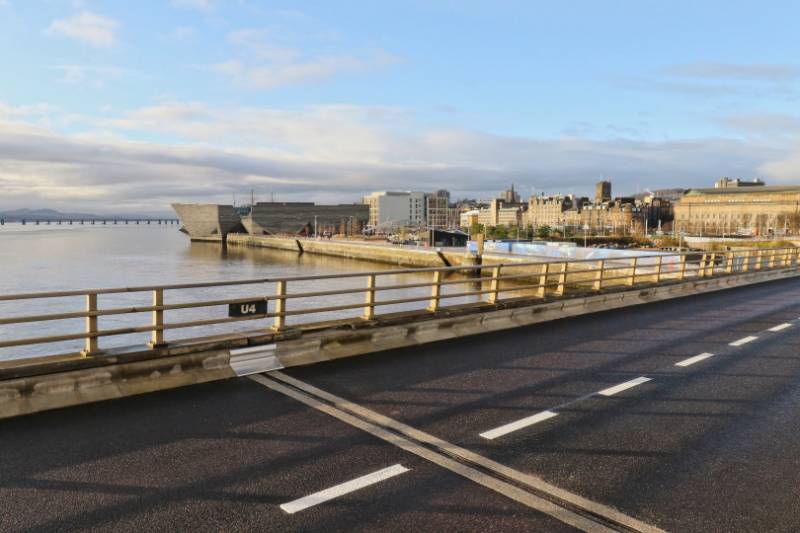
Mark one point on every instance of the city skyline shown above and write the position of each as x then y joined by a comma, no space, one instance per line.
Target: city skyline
103,108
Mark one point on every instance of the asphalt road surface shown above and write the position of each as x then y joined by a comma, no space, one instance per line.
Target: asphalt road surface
681,416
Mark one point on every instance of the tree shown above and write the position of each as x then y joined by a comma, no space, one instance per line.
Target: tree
500,232
543,232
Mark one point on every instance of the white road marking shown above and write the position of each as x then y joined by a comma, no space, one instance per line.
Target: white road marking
744,340
695,359
444,454
345,488
519,424
780,327
611,391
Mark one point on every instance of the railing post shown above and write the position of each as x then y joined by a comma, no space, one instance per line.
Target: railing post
369,299
659,264
91,345
729,257
543,280
711,263
746,261
771,262
157,335
632,278
598,276
436,291
701,268
495,285
682,272
759,259
562,279
280,305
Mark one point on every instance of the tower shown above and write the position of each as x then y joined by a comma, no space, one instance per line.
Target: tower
602,192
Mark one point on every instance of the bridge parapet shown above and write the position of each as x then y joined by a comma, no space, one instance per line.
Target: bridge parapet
457,301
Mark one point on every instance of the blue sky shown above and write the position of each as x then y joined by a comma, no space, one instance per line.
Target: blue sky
135,105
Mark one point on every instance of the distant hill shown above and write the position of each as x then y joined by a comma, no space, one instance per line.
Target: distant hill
51,214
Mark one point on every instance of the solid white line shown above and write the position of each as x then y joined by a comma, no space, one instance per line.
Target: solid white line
744,340
611,391
345,488
695,359
519,424
780,327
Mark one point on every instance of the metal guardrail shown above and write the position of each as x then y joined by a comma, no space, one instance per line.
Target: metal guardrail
534,280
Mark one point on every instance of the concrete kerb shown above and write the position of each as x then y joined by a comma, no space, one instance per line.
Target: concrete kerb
126,375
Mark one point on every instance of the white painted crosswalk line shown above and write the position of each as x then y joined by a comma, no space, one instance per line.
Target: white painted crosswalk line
780,327
345,488
611,391
744,340
695,359
519,424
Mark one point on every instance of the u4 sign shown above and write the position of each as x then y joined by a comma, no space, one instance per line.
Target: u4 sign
252,308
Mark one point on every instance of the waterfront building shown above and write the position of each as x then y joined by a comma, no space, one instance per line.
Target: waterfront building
395,208
604,214
558,210
438,211
729,183
469,218
744,209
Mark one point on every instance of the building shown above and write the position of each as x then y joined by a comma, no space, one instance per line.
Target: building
395,208
552,210
510,196
728,183
467,219
620,214
602,192
438,211
732,208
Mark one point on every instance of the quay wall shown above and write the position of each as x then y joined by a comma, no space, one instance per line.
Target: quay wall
394,255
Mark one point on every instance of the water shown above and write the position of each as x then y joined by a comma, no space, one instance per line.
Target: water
54,258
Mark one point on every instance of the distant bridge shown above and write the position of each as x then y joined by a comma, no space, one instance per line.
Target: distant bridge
93,221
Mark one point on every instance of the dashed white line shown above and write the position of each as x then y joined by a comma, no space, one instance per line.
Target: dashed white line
780,327
611,391
695,359
744,340
519,424
342,489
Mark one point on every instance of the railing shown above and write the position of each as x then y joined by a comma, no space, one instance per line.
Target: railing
486,284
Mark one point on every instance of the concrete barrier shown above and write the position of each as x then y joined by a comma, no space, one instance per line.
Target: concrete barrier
39,386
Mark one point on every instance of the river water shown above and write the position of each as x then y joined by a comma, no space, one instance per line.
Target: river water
53,258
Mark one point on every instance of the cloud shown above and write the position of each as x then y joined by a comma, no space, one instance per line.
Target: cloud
708,79
762,124
91,28
762,72
329,154
93,76
267,62
202,5
274,74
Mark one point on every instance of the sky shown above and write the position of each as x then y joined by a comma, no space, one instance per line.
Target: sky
128,106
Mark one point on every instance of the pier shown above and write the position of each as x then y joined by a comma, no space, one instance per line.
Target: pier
93,221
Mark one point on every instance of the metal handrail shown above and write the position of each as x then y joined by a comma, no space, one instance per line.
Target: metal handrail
552,278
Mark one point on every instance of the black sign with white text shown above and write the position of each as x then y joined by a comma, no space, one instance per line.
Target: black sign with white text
252,308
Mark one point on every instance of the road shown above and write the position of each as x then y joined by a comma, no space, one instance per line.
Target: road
681,416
